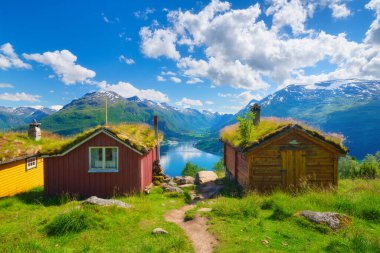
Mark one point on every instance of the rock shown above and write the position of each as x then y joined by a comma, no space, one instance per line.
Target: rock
203,177
159,231
205,209
167,179
185,185
169,188
333,220
184,180
106,202
172,183
209,190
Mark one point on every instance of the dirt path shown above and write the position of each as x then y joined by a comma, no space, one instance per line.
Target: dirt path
196,229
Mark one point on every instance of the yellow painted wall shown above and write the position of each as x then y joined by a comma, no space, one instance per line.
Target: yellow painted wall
14,178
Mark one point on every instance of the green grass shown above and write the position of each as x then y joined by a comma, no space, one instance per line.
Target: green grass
241,224
32,223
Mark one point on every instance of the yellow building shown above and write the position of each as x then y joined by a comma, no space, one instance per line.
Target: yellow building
21,174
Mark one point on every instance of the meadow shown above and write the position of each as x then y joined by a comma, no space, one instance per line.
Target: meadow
251,222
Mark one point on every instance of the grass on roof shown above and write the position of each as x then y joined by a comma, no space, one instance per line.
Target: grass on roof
18,144
268,126
139,136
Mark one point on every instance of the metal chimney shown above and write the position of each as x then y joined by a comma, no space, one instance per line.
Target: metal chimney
256,110
34,131
157,138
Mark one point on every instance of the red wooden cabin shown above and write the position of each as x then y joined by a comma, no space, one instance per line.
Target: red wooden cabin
102,163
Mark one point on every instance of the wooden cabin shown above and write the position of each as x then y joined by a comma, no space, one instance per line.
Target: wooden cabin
105,161
281,154
21,167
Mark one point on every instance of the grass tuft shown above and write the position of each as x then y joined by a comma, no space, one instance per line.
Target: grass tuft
73,221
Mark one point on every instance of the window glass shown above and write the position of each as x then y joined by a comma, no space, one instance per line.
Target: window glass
111,158
31,163
96,158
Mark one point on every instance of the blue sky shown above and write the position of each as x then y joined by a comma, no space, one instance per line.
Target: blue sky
214,55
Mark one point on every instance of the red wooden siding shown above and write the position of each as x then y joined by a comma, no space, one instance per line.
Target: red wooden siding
236,164
69,173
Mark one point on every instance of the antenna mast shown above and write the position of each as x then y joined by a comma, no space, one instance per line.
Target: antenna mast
106,113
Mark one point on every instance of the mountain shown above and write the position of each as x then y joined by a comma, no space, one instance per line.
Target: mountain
20,116
89,111
350,107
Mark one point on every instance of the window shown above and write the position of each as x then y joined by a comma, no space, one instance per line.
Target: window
31,163
103,159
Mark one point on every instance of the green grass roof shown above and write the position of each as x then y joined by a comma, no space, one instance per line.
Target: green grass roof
139,136
17,144
269,127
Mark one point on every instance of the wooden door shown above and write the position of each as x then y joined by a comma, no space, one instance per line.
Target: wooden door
293,167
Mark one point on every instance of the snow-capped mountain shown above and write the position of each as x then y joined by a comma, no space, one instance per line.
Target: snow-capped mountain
350,107
88,111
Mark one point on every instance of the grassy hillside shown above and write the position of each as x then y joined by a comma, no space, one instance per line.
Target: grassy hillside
250,223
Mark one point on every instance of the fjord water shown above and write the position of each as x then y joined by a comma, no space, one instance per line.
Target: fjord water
175,155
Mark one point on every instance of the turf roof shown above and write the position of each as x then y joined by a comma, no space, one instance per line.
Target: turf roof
17,145
269,127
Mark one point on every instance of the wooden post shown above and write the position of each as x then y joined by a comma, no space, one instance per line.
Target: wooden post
157,139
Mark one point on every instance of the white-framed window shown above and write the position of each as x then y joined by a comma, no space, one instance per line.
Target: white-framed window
103,159
31,163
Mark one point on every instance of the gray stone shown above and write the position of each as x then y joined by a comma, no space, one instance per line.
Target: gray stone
333,220
203,177
185,185
184,180
106,202
169,188
159,231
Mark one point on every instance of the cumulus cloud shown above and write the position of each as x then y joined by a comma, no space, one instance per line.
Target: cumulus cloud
243,98
187,102
64,65
6,85
160,42
56,107
194,80
9,58
161,78
175,79
19,96
126,60
239,49
128,90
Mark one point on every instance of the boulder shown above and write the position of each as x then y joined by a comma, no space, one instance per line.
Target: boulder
184,180
169,188
333,220
204,176
106,202
185,185
159,231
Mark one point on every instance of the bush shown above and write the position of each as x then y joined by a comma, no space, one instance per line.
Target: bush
218,167
246,126
368,168
72,222
348,167
190,169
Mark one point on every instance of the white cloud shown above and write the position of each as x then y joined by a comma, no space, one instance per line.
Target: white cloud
128,90
6,85
144,14
168,73
246,97
9,58
126,60
56,107
208,102
194,80
373,34
187,102
231,109
158,43
64,65
161,79
240,50
175,79
19,96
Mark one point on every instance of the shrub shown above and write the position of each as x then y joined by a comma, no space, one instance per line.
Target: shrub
218,167
348,167
190,169
368,168
246,126
71,222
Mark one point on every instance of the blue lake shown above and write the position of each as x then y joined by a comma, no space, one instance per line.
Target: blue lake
175,155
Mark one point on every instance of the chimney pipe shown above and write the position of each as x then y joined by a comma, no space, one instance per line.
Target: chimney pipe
34,131
256,109
156,134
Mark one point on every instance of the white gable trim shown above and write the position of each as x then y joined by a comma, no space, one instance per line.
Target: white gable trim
92,136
